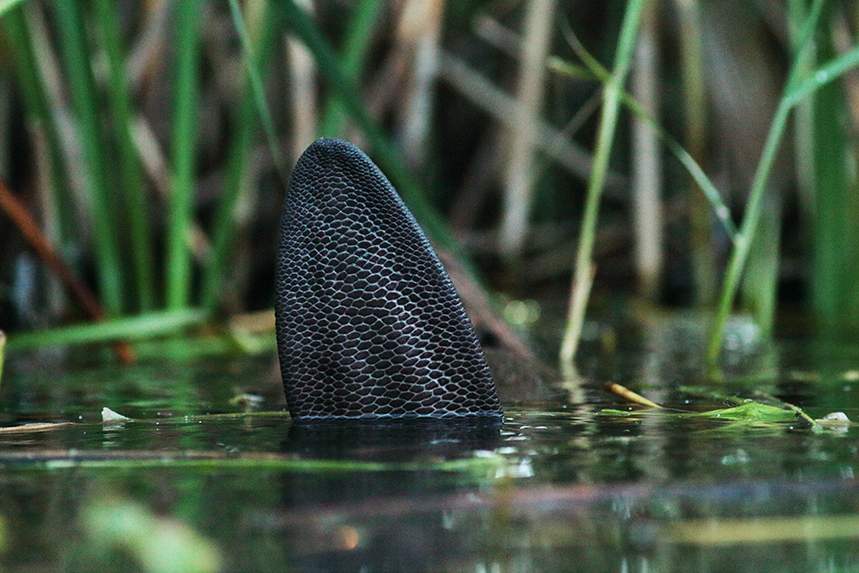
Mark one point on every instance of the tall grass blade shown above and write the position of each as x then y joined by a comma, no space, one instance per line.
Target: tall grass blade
254,67
76,54
132,188
38,111
139,327
258,40
824,75
343,87
720,210
835,216
746,235
184,147
703,257
760,281
833,276
353,55
803,121
612,96
797,90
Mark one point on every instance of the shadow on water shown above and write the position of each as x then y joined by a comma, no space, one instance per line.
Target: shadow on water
588,484
393,439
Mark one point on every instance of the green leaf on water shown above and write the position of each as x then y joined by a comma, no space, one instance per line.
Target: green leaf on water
741,412
751,412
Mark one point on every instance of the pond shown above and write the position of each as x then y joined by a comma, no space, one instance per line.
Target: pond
209,475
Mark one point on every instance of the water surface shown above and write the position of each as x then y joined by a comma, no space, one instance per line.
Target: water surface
201,481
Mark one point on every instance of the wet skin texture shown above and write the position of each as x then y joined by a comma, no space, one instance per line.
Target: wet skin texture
368,322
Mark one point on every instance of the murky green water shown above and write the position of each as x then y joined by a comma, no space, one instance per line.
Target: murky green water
560,487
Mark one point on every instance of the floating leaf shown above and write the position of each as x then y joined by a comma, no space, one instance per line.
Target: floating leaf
742,412
751,412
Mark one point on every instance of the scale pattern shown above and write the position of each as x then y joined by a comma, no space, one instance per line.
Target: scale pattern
368,322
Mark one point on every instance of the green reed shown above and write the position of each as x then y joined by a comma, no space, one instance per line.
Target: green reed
835,215
257,47
121,229
593,69
799,87
356,44
146,325
128,269
756,245
255,58
132,188
37,109
345,89
584,266
75,50
183,148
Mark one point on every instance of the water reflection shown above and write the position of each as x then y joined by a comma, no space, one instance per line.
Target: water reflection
346,521
393,439
550,491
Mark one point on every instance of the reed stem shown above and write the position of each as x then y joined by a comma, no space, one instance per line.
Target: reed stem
518,178
720,210
180,204
794,92
132,188
76,54
353,55
346,90
33,91
647,169
703,256
255,58
612,96
224,226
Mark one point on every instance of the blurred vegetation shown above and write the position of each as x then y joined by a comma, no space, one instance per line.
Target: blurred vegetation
689,154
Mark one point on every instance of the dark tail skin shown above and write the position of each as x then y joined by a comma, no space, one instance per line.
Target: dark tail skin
369,325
